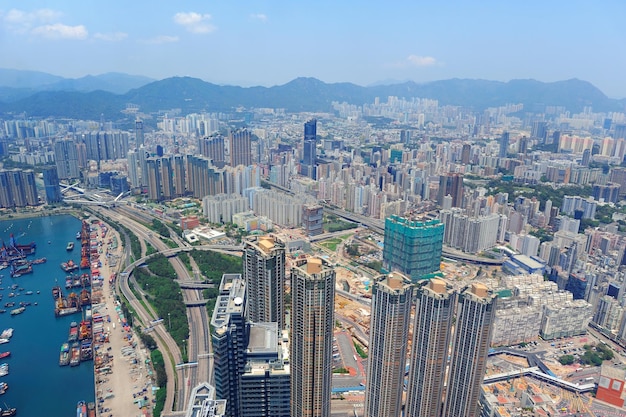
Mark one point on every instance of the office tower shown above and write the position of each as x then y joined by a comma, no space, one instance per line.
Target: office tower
389,333
51,185
153,179
309,149
119,184
313,219
472,336
213,147
451,184
413,247
251,360
312,321
139,136
240,148
504,145
434,311
66,159
229,340
264,272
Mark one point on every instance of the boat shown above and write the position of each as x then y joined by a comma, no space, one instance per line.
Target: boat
73,335
77,235
8,412
69,266
39,261
91,409
85,298
5,355
3,341
64,356
60,312
25,303
56,292
17,311
7,333
81,409
21,267
9,304
86,353
75,354
4,369
3,387
28,293
70,246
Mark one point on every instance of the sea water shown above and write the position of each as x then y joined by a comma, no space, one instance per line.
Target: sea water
38,386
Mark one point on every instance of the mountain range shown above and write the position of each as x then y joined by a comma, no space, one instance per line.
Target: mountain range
43,95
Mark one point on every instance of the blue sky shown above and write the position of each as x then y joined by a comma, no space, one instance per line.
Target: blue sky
272,42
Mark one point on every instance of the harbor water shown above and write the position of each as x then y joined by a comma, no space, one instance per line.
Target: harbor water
38,386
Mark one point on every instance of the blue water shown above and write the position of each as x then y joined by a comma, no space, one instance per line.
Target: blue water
38,386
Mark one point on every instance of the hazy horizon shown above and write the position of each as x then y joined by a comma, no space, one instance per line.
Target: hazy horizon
266,43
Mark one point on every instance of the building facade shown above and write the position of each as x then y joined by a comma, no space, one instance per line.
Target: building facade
389,333
312,321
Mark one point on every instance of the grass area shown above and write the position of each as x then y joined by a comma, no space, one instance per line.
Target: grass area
340,371
360,351
332,243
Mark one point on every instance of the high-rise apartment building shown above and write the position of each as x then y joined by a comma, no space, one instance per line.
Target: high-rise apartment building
309,150
504,145
313,219
66,159
213,147
389,330
264,272
312,321
139,135
240,148
451,184
472,336
153,177
413,247
434,311
18,188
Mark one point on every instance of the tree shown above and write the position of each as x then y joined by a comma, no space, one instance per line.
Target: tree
566,359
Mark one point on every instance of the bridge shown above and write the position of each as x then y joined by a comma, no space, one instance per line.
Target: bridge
196,303
536,373
193,285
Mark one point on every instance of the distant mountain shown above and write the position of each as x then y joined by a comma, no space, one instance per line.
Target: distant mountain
301,94
16,83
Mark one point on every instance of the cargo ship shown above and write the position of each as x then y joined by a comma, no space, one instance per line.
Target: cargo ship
81,409
91,409
85,298
21,267
86,353
69,266
75,354
64,356
84,331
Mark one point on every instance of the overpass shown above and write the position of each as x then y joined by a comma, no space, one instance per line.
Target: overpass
196,303
193,285
536,373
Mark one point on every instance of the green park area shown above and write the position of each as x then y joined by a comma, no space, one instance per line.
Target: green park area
332,243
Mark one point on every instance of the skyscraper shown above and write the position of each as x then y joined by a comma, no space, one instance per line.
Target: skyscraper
451,184
251,368
312,321
413,247
434,312
66,159
472,336
240,148
389,330
139,138
309,149
51,185
264,272
504,145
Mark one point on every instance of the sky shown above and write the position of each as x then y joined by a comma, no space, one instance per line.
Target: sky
259,42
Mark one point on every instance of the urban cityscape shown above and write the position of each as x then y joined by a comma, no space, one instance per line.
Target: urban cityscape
425,242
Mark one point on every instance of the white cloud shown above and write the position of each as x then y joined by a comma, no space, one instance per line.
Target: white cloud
421,61
259,16
111,37
21,21
61,31
161,39
195,22
415,61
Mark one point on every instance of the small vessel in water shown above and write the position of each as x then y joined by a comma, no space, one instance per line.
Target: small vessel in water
70,246
39,261
69,266
3,387
75,354
64,356
7,333
17,311
4,369
73,335
8,411
5,354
